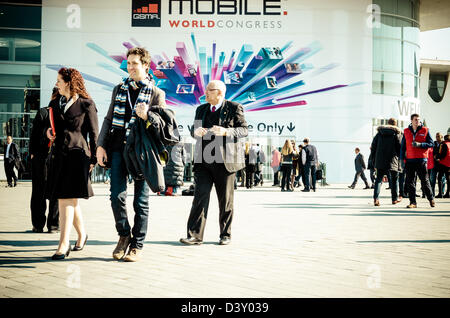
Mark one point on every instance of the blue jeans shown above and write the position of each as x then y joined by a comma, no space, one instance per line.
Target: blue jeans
393,183
118,198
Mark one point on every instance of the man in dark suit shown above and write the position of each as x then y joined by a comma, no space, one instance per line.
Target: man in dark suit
39,152
218,126
360,166
12,155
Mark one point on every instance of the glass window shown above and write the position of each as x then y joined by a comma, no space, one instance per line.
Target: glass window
410,58
391,83
387,55
405,8
16,16
19,45
408,85
436,86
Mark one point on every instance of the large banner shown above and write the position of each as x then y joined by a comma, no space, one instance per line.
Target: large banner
299,68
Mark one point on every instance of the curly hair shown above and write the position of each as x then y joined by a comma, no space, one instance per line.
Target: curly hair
75,80
143,54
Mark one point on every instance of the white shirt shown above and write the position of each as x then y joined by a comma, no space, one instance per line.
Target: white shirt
7,150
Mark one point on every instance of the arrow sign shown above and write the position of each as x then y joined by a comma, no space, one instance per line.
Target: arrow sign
290,127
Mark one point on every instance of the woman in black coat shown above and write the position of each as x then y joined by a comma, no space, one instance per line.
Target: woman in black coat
75,118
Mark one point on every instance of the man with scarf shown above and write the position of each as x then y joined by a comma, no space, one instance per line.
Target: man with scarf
130,99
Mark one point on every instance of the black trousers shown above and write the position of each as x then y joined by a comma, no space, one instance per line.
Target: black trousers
275,177
38,203
363,177
286,170
420,169
310,174
441,172
249,175
9,171
205,176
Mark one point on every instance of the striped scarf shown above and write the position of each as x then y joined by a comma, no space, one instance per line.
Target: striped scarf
121,100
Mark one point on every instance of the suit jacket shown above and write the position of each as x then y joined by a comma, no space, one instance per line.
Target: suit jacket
360,165
231,151
38,138
74,126
14,154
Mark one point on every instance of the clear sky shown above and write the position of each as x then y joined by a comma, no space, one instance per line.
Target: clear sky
435,44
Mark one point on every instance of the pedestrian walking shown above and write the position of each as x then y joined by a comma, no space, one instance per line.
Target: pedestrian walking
360,166
385,151
75,118
414,148
12,157
131,101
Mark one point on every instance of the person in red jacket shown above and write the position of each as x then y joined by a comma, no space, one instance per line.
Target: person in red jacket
443,165
414,148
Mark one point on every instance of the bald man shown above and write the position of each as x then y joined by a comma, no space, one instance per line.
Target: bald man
218,127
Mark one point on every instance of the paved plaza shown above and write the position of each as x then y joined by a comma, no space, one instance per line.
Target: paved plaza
331,243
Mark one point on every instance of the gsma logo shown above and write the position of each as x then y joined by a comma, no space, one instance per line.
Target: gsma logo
146,13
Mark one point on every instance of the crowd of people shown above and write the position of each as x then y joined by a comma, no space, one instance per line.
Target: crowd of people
401,157
139,138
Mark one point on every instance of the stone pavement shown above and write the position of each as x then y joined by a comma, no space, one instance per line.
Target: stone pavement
332,243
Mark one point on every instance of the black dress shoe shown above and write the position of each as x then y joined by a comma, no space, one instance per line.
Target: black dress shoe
191,241
351,187
225,241
35,230
78,248
53,229
57,257
305,190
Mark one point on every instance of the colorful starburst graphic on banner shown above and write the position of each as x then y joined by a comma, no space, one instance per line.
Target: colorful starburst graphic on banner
268,78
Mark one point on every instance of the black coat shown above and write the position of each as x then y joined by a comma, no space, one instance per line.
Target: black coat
385,148
360,165
38,138
174,169
146,146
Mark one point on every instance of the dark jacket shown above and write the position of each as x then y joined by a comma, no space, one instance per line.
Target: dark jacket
360,165
157,99
174,169
146,145
14,154
231,151
75,125
385,148
38,139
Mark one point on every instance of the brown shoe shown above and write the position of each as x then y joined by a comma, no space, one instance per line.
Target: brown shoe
411,206
432,203
121,248
376,202
397,201
133,255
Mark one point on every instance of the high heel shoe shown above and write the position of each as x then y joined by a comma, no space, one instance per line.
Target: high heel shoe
56,257
77,248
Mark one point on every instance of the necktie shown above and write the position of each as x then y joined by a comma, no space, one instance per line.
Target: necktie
213,109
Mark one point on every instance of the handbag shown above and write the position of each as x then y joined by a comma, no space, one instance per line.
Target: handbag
319,174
